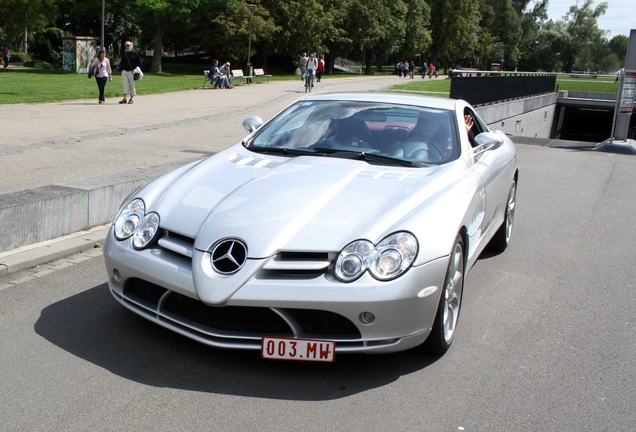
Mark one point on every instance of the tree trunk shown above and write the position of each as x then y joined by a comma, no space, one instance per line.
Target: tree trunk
158,48
368,60
378,63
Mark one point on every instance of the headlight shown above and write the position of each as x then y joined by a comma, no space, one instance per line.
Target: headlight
395,254
133,221
146,231
128,219
387,260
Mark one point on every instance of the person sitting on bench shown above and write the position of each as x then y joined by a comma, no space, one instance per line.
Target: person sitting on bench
214,74
227,74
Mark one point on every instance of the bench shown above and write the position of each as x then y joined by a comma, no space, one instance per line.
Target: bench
238,75
206,79
260,74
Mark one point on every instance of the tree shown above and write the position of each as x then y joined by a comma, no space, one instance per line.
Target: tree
532,20
598,57
19,16
455,29
506,30
618,45
417,35
579,31
302,26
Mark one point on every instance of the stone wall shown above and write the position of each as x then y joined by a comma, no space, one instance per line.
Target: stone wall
528,117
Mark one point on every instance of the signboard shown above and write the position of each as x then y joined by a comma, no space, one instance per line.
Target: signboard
626,103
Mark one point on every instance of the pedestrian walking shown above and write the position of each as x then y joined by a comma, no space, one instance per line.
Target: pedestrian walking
6,56
129,61
302,65
321,68
104,73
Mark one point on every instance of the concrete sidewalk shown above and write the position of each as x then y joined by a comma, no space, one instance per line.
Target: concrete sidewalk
65,167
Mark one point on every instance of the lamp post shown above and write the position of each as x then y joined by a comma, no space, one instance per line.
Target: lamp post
103,9
251,7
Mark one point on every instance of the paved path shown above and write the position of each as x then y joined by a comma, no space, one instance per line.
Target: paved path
44,144
71,141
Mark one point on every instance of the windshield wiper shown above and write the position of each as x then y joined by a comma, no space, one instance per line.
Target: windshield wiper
368,157
282,150
339,153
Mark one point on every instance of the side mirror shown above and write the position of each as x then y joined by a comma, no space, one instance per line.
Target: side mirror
252,123
487,141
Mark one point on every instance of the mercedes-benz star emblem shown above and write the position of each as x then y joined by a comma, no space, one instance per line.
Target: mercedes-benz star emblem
229,256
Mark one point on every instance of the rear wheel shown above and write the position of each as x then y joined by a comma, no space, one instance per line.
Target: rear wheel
308,83
443,331
500,241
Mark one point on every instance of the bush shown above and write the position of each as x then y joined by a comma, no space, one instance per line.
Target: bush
46,46
43,65
20,57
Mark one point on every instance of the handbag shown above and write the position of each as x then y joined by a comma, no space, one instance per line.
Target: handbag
137,74
93,71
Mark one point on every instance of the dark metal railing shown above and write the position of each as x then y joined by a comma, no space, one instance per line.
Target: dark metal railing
482,87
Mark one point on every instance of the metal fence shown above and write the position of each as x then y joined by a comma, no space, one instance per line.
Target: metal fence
481,87
347,65
587,86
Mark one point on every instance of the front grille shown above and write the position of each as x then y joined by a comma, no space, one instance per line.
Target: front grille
297,265
304,256
145,291
210,322
235,319
317,322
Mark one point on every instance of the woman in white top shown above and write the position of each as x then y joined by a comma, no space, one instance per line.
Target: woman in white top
104,73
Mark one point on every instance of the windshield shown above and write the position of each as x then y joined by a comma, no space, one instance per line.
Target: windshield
408,133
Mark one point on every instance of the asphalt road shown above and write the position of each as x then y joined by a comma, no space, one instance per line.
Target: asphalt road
546,340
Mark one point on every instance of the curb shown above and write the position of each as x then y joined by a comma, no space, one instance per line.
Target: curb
26,257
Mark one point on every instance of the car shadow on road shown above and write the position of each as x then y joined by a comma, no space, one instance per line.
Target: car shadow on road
93,326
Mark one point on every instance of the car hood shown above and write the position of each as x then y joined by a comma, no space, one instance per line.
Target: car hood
305,203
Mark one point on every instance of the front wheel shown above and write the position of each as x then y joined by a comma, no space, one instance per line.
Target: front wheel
443,331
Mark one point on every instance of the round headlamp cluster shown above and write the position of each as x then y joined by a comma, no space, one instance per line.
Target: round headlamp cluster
133,221
387,260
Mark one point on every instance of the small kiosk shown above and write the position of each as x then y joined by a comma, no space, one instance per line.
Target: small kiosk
78,53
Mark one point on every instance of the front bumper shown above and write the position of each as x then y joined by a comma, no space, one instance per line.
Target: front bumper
161,286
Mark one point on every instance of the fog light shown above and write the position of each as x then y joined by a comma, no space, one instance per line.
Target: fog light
367,318
116,275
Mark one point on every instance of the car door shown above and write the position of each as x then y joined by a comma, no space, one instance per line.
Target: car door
491,167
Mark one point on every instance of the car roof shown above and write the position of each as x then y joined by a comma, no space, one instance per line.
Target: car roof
387,97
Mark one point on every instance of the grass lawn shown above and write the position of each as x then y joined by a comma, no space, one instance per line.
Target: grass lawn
28,85
20,84
428,86
601,84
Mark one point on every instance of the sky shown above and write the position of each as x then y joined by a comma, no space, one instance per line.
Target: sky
620,17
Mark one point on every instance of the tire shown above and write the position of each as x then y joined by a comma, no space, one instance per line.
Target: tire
500,240
443,331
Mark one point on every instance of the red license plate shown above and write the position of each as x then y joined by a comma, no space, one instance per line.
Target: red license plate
298,349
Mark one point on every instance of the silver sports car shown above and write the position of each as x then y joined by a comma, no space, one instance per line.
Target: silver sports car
344,224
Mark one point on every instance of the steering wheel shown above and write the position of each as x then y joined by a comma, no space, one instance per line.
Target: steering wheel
435,152
417,151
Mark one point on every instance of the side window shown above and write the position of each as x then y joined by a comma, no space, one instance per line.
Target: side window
477,126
